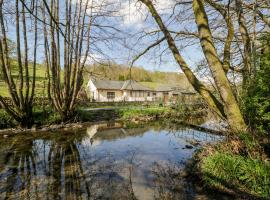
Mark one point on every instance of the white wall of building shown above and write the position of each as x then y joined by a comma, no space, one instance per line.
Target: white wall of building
101,95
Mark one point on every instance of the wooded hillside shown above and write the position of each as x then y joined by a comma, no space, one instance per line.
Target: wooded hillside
122,72
112,72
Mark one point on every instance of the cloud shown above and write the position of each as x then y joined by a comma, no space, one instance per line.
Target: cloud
93,58
134,12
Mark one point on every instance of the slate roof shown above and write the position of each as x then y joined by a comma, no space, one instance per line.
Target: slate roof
108,84
119,85
133,85
163,88
175,89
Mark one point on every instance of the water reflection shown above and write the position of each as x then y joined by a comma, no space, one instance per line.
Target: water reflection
105,161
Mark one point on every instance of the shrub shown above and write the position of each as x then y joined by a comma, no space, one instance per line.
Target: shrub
6,121
45,116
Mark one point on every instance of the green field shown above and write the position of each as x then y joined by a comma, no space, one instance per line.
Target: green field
40,79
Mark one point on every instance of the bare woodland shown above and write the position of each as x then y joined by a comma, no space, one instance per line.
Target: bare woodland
227,32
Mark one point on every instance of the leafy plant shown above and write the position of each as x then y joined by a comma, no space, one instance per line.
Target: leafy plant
6,120
225,170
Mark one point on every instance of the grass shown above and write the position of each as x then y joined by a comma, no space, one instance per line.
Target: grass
135,112
41,115
238,165
237,172
40,79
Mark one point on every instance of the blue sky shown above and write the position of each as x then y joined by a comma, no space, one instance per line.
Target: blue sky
133,18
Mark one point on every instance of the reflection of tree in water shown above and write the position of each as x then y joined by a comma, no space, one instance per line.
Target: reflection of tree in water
20,159
65,171
59,167
67,165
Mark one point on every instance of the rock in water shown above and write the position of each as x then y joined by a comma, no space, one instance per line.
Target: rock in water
188,146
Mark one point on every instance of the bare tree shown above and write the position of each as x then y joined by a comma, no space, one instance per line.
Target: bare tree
228,108
70,37
23,94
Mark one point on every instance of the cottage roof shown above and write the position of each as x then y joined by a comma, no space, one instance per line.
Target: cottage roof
133,85
108,84
119,85
175,88
163,88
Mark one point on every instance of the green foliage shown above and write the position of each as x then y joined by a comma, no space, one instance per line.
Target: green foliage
45,116
237,172
142,112
85,116
6,121
257,101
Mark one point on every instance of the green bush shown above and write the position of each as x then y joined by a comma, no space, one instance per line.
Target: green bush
6,121
237,172
45,116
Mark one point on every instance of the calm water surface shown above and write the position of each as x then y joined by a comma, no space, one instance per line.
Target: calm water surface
102,161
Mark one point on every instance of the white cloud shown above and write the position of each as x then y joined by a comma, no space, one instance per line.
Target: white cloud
93,58
134,12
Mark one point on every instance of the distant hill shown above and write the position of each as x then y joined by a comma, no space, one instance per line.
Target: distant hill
111,72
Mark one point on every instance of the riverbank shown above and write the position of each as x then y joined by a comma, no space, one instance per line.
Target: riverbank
45,119
238,166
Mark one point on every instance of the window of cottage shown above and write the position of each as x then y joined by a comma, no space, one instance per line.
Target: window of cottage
110,95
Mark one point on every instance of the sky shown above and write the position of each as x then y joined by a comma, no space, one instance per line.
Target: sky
136,19
133,20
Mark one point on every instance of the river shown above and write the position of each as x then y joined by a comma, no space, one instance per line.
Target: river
100,161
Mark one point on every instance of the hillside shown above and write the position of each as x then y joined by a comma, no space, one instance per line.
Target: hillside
112,72
40,79
120,72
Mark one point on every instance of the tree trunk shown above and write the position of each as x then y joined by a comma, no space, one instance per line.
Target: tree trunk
232,110
206,94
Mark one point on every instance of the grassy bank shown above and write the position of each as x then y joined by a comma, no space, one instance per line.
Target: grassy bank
142,114
45,115
237,166
41,115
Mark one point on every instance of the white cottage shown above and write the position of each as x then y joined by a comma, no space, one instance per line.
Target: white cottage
130,90
108,90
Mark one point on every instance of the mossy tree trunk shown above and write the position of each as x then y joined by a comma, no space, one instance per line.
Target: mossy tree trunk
229,108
